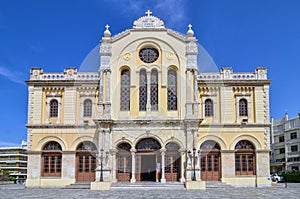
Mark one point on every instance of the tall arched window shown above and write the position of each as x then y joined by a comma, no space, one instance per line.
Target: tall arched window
244,158
172,90
87,108
154,90
51,159
54,108
209,108
125,90
243,107
143,90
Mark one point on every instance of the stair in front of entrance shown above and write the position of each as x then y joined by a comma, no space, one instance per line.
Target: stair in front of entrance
148,186
216,185
79,185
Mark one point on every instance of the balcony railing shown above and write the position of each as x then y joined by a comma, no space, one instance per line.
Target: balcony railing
294,153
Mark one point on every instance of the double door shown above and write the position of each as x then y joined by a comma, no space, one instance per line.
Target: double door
85,167
210,167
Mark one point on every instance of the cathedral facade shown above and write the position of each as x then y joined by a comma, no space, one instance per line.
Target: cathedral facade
148,114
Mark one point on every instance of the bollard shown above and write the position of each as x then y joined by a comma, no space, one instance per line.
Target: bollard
286,185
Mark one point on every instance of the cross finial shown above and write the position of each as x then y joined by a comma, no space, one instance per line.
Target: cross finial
148,13
107,26
190,26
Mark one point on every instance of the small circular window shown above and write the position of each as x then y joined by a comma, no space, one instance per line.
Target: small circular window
148,55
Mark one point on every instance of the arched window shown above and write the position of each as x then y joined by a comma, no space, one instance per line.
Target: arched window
172,90
244,158
243,107
209,108
54,108
87,108
154,90
51,159
125,90
143,90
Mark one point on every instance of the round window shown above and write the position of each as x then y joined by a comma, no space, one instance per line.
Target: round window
148,55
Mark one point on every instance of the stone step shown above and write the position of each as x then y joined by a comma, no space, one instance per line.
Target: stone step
79,185
216,184
147,186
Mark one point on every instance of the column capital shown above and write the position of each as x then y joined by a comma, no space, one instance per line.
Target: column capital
163,150
133,150
113,151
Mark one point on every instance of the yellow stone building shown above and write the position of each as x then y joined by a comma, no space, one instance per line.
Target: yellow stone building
146,113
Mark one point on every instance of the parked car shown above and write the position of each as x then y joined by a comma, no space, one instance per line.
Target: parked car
277,178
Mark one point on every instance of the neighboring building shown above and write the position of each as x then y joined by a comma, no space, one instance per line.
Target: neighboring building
14,160
144,109
285,140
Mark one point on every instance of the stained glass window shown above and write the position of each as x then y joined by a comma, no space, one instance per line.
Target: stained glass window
125,90
50,146
172,90
87,108
148,144
86,146
143,90
148,55
243,107
154,90
54,108
209,111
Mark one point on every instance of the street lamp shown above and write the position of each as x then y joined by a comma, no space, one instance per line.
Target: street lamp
194,158
101,163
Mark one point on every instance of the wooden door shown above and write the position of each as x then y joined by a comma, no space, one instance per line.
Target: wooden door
210,167
85,167
124,165
172,168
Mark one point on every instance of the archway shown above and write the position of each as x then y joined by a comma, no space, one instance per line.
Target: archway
172,162
148,160
86,162
124,162
210,161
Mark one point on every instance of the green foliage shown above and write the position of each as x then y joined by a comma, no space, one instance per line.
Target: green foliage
292,177
13,179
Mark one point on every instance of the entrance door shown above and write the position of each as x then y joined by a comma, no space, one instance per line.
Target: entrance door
172,169
124,167
210,167
86,165
148,168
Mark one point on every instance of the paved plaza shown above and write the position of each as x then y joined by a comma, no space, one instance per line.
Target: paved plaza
275,192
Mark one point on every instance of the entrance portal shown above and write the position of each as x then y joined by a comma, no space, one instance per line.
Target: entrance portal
210,161
147,160
148,169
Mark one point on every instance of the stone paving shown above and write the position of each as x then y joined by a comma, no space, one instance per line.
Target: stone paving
277,191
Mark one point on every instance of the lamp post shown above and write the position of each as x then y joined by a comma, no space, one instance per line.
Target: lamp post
194,158
101,163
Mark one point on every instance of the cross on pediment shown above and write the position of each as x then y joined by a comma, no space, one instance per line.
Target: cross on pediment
148,13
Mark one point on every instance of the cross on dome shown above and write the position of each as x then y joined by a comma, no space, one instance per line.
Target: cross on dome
107,26
148,13
190,26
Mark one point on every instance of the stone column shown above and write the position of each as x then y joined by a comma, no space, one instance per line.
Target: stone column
69,165
182,155
163,153
100,100
262,168
227,164
133,151
107,100
113,153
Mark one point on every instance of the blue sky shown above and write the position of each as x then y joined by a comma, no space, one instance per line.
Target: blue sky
55,34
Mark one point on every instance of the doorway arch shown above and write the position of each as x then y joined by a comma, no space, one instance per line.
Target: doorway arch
210,161
124,162
86,162
148,160
172,162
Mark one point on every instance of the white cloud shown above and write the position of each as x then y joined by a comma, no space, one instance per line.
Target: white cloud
11,75
172,12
